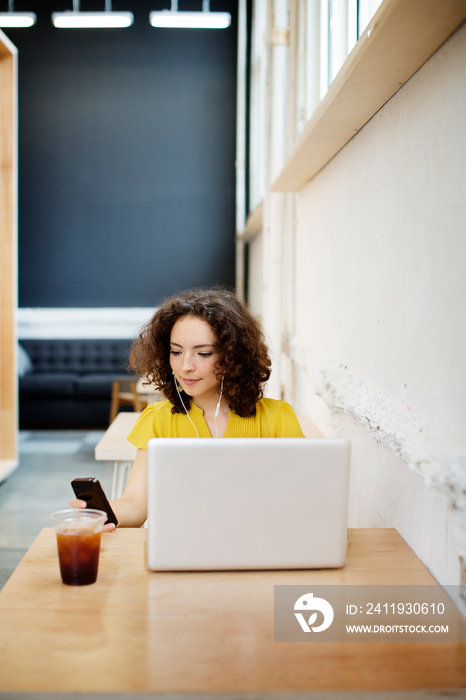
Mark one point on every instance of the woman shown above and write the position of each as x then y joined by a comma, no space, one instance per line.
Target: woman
206,352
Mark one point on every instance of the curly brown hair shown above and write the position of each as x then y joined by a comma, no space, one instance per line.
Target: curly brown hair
244,356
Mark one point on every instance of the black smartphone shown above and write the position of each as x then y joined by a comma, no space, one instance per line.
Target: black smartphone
89,489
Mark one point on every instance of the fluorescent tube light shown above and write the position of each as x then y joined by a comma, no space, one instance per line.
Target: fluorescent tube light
91,20
190,20
17,19
75,19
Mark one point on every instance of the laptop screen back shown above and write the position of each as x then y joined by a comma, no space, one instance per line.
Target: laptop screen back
247,503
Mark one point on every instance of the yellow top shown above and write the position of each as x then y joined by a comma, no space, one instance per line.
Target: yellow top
273,419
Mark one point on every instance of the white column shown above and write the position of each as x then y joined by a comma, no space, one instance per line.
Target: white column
241,147
312,56
276,120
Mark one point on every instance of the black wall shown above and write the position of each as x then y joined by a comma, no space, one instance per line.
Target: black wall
126,158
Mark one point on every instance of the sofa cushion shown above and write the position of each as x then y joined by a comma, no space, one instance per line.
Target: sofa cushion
70,383
98,385
24,361
84,356
94,386
63,413
47,384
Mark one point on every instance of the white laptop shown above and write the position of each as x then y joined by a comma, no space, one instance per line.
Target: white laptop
247,503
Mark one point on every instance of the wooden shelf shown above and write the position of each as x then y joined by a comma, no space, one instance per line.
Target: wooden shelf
8,257
400,38
253,225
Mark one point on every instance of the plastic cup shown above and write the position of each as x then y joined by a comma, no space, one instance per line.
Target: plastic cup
78,533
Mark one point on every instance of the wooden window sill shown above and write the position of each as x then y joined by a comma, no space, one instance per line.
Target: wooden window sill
253,225
401,37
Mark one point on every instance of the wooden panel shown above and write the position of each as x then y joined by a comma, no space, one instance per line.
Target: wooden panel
400,38
8,257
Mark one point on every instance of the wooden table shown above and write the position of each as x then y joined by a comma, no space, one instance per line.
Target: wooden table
114,447
135,631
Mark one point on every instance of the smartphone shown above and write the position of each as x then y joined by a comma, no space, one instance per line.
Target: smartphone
89,489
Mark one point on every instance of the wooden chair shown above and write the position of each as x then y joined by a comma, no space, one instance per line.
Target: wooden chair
124,393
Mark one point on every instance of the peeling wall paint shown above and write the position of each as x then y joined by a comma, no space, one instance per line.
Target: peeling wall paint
393,423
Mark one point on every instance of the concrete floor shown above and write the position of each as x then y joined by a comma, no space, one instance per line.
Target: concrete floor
48,461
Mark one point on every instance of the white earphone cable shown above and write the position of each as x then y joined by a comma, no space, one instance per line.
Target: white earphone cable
185,409
217,410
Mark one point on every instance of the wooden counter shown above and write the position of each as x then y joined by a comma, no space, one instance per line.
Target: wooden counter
135,631
114,447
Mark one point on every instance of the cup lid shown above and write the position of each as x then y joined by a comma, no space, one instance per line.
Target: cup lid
79,514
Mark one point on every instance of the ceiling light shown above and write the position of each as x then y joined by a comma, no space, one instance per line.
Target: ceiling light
16,19
190,20
75,19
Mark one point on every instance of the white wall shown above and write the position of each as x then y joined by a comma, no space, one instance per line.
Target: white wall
379,344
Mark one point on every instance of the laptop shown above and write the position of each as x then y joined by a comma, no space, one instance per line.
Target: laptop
247,503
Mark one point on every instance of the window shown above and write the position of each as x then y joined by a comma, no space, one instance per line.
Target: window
257,104
365,11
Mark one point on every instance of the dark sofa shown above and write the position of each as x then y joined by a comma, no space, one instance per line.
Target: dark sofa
68,383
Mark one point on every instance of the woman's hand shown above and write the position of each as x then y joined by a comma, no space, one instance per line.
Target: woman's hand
131,508
77,503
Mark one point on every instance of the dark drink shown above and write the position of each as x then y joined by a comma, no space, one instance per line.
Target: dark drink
78,540
79,557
